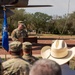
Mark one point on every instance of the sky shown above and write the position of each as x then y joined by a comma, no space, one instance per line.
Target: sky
60,7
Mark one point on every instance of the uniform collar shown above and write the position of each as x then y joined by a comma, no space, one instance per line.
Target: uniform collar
15,56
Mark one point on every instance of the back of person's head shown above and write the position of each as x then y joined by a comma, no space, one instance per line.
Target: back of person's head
45,67
15,47
27,47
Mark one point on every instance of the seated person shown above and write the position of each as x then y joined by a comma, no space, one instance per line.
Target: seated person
16,65
60,53
27,52
45,67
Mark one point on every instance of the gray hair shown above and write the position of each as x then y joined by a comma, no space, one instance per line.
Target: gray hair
45,67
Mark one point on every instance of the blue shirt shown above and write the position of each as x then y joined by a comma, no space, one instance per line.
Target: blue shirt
66,70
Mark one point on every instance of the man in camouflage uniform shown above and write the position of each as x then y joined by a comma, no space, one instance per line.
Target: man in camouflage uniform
19,33
27,51
16,65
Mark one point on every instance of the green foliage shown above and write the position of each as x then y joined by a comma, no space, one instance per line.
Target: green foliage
40,20
42,23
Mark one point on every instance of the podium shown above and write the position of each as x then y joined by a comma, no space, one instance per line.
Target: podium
29,39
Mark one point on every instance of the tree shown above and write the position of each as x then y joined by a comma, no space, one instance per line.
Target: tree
40,20
12,21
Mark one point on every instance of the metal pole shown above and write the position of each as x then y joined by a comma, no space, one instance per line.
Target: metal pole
67,15
68,6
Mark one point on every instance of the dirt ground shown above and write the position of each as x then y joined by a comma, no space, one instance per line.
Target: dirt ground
47,40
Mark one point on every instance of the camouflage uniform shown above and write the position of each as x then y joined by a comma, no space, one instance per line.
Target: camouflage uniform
17,65
27,48
18,34
31,59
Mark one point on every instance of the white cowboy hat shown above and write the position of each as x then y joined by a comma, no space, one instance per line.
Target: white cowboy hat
60,53
45,52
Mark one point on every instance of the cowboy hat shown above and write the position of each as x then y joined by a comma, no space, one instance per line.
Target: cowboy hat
60,53
45,52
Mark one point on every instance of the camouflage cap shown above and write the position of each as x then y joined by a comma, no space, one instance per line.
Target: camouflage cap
27,45
15,46
21,22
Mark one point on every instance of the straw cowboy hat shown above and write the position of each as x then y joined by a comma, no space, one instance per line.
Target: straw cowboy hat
45,51
59,52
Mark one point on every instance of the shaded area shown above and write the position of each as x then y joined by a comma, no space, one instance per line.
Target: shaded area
8,12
